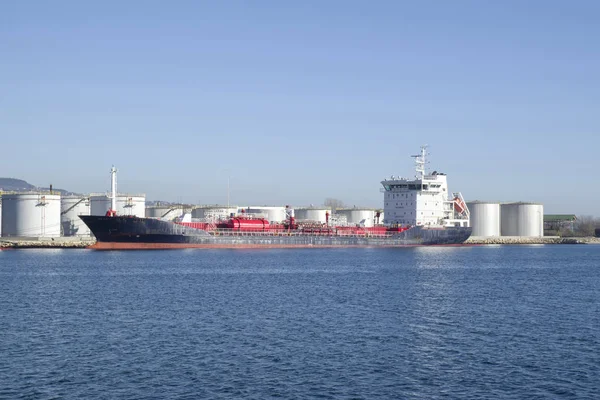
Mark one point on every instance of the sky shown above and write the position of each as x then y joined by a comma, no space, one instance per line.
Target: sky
296,102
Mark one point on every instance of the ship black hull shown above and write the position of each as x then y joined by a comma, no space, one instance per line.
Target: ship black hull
132,232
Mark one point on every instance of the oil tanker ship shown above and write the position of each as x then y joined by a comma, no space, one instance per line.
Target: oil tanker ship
417,211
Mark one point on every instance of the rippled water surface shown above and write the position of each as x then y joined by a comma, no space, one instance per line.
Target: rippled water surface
463,322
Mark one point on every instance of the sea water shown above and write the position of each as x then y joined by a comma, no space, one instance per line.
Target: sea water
517,322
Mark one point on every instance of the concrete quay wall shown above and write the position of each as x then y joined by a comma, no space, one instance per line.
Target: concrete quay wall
45,242
79,243
532,240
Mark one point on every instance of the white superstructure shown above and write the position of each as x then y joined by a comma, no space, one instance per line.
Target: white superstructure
424,200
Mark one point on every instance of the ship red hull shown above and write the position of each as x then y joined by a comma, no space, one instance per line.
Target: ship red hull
174,246
157,246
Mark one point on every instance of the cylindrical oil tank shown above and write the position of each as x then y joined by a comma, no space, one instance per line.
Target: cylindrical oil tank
379,218
126,205
358,216
164,212
213,213
99,204
522,219
485,218
271,214
71,207
131,205
312,214
31,214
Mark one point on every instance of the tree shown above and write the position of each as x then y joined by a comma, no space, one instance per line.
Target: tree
585,225
332,203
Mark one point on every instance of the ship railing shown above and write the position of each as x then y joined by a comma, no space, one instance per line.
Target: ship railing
234,232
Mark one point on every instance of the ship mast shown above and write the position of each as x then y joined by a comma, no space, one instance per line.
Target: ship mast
113,189
420,163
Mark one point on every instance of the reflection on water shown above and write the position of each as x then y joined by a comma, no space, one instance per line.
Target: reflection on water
426,322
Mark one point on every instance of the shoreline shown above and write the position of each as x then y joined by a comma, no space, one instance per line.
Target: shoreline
7,243
84,243
518,240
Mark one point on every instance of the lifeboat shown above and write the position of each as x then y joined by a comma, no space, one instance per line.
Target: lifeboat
459,205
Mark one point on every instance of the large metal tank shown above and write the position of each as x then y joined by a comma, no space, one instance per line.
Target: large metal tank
271,214
358,216
312,214
485,218
165,212
213,213
71,207
131,205
126,204
522,219
380,219
31,215
99,204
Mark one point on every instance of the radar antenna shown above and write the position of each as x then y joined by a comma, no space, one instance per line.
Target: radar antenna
420,162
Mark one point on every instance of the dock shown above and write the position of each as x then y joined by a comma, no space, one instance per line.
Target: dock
84,242
497,240
72,242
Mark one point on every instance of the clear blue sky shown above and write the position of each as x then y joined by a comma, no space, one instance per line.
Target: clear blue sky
299,101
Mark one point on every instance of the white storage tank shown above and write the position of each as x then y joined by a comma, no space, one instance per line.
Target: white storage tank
358,216
522,219
99,204
312,214
485,218
165,212
131,205
126,204
31,215
271,214
71,207
213,213
379,220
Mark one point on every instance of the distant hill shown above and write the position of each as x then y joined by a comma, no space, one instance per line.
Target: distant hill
15,185
19,185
